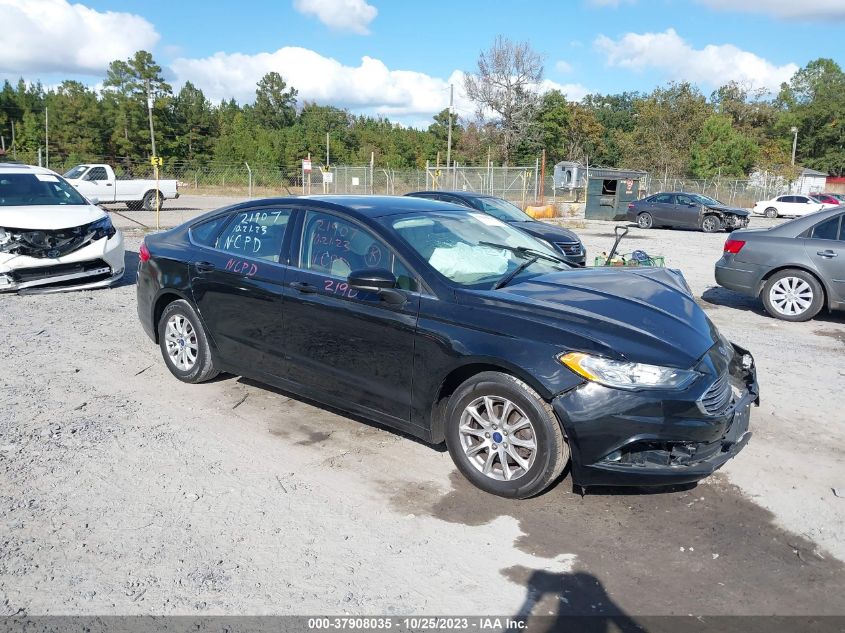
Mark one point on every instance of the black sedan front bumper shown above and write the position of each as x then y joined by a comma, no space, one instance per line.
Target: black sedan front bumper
645,438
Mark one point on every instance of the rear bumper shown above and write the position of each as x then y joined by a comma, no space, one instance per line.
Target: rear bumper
739,276
623,438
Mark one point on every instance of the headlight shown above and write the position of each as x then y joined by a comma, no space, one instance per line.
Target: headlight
102,228
622,375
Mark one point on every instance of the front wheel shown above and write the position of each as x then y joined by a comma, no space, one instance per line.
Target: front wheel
793,295
645,220
711,224
184,344
771,212
504,437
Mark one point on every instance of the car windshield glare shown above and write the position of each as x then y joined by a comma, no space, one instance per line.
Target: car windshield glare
474,249
75,172
36,190
704,199
503,210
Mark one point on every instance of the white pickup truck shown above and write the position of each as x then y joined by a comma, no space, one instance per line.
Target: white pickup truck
98,181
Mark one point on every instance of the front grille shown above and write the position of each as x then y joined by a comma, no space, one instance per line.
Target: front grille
718,397
24,275
569,248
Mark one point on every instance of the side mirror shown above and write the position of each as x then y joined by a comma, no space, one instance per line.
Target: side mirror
94,200
378,280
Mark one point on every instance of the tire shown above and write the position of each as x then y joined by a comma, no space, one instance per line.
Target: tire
711,224
645,220
808,293
149,201
193,338
771,212
531,419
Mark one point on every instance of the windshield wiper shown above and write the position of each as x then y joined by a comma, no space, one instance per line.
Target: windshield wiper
524,251
504,281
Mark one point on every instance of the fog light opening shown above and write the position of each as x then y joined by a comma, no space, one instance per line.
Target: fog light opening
747,361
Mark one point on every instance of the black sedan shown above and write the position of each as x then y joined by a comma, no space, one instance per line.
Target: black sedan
686,211
562,240
453,326
797,268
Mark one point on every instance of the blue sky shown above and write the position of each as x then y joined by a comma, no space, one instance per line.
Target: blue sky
413,50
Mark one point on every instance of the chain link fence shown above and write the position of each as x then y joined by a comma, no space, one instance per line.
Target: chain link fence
519,184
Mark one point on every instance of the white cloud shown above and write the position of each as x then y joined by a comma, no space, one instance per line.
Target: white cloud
407,96
563,66
46,36
713,65
340,15
788,9
369,87
573,92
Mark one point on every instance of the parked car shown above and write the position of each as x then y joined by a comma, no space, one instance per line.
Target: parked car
838,196
789,206
51,237
564,241
453,326
99,181
687,211
796,268
826,199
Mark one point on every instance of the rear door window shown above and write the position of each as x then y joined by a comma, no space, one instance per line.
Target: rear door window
827,230
664,198
256,234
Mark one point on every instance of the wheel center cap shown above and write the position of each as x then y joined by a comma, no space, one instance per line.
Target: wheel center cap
497,437
181,342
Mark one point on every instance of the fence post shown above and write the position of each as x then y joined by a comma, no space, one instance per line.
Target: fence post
250,179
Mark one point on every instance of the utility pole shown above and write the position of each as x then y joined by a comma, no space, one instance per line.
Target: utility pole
449,139
47,138
150,111
327,150
794,130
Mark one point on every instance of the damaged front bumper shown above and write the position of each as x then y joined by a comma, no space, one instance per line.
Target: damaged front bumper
97,265
628,438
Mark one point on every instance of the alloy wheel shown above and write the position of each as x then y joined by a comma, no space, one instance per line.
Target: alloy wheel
498,438
791,296
181,342
644,221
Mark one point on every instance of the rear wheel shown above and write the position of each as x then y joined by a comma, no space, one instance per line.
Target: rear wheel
184,344
644,220
793,295
149,202
711,224
771,212
504,437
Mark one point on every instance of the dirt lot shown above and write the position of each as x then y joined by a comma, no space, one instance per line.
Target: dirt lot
125,491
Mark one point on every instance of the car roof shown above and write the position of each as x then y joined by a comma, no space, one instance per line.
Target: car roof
791,228
18,168
362,206
457,194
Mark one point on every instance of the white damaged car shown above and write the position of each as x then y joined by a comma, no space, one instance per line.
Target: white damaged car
51,237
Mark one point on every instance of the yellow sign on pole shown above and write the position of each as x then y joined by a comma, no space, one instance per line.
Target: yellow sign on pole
156,162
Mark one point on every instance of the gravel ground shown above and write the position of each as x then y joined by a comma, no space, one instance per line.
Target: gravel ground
125,491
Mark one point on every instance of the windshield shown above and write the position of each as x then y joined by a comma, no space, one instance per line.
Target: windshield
705,199
76,172
503,210
473,249
36,189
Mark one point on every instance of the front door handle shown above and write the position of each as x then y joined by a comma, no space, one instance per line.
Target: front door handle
205,267
828,254
301,286
108,184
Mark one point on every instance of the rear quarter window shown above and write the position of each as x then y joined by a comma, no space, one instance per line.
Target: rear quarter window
205,234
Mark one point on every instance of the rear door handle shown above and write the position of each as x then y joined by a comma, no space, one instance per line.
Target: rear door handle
827,254
301,286
205,267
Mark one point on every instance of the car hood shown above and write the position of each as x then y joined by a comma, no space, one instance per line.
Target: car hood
547,232
726,209
49,217
642,315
